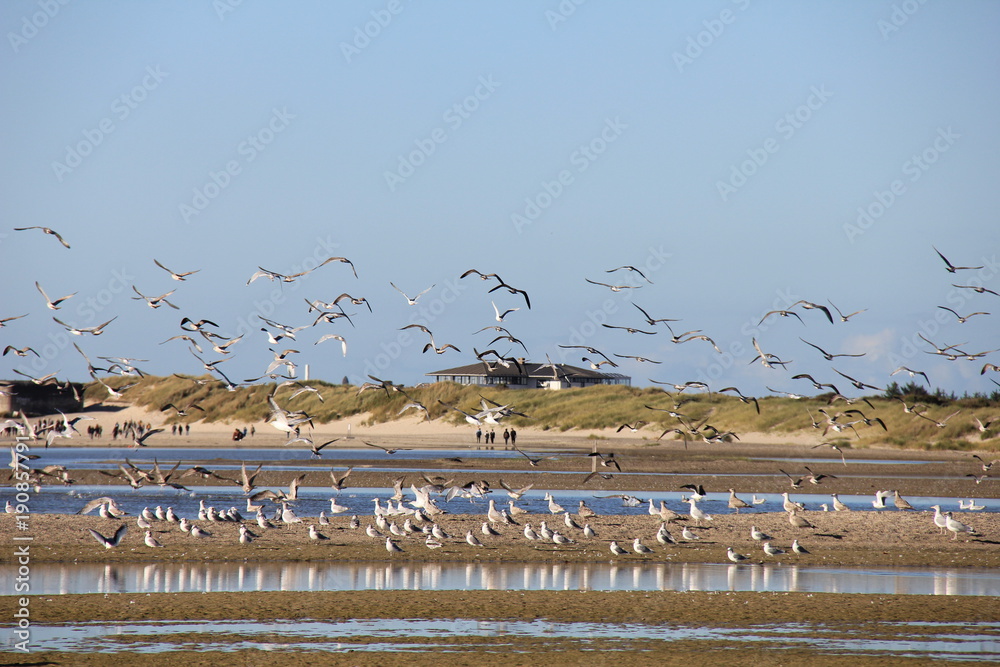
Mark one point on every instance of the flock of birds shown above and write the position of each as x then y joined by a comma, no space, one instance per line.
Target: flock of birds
282,370
423,519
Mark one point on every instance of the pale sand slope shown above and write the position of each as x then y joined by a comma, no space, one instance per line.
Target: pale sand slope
411,429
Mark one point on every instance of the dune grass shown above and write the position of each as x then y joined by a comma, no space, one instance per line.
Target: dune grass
598,407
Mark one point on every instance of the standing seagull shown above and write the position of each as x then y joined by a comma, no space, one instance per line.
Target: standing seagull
735,557
640,548
771,550
696,513
736,503
900,502
951,523
838,504
939,519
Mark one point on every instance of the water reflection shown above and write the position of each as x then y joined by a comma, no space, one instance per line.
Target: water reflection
56,579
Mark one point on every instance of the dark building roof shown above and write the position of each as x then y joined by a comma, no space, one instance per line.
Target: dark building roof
531,370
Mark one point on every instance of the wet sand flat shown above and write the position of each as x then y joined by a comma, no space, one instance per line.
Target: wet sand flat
854,615
887,537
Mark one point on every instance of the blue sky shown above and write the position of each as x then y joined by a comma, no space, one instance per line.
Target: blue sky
743,155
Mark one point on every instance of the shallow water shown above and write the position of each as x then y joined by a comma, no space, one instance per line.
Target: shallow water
60,578
972,641
230,458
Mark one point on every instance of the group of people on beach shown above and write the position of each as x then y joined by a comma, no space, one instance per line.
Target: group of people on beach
509,437
130,429
43,425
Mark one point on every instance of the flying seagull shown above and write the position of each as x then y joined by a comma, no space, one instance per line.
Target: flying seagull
482,276
950,267
633,269
844,318
613,288
52,305
639,359
629,329
652,321
21,352
47,231
513,290
743,399
961,319
783,313
174,274
499,316
95,331
832,446
114,540
342,260
387,450
767,359
912,373
412,301
827,355
153,301
857,383
5,320
808,305
977,289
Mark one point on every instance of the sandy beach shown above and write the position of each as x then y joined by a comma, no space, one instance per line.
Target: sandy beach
856,538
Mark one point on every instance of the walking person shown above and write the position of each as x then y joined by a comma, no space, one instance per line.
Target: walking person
506,438
513,437
479,435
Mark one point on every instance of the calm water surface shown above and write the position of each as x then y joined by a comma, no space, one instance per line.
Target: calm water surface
58,579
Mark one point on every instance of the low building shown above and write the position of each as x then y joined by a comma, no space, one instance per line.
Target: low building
34,399
528,375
